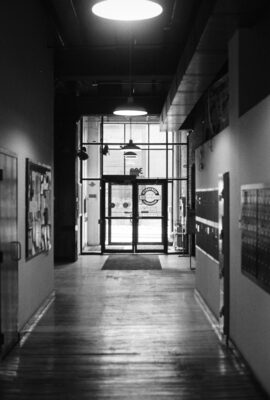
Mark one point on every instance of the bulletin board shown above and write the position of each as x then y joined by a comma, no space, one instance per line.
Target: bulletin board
38,208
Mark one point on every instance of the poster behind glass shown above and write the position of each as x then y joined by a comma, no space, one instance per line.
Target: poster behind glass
38,208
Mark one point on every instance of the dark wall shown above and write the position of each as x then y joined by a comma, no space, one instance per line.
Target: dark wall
26,125
65,144
254,79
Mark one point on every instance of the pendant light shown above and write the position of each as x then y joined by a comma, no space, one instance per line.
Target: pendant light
130,109
130,146
127,10
130,149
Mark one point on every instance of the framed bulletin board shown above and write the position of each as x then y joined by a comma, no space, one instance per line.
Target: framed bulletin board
38,208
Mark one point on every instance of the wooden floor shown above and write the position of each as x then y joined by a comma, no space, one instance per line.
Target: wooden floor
124,335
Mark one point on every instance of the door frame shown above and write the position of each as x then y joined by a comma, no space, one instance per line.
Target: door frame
224,253
132,180
10,338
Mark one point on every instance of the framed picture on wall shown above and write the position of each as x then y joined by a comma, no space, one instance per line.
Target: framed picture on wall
38,208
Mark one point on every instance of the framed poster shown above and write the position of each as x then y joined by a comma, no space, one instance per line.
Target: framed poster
38,208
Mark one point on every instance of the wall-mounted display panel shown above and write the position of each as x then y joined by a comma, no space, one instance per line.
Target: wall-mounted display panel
255,233
207,239
207,204
38,208
207,221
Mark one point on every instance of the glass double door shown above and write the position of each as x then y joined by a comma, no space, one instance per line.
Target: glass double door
134,216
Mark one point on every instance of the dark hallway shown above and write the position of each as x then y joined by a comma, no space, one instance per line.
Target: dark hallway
184,171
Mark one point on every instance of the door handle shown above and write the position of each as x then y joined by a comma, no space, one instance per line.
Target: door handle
17,253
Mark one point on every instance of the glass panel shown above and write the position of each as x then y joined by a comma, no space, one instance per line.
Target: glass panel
113,133
157,163
90,209
183,162
180,136
119,201
137,166
113,163
119,247
84,130
170,137
150,247
119,231
183,136
150,231
170,213
138,133
91,166
178,162
156,136
170,163
177,203
91,130
150,200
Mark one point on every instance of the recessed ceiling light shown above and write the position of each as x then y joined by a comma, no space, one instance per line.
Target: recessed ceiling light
127,10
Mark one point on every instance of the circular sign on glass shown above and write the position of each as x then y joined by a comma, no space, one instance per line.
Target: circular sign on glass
150,196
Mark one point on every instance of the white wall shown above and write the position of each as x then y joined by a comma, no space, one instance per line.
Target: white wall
243,150
26,125
250,305
216,160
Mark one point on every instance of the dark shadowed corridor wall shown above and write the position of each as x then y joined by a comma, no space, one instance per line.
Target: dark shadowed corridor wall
26,125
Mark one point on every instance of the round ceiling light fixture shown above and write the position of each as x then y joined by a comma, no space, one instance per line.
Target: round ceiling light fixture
127,10
130,109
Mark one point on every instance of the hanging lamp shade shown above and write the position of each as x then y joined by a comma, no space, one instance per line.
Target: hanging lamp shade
130,155
130,109
130,146
127,10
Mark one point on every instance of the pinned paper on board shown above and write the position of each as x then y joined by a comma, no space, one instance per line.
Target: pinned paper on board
38,208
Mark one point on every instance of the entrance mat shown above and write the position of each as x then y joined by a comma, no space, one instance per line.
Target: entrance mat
132,262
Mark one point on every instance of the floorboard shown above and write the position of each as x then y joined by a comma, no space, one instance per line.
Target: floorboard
124,335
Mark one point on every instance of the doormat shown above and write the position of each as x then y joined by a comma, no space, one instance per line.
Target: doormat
132,262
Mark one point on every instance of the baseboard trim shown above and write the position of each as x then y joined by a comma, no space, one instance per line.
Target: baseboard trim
26,330
209,315
228,344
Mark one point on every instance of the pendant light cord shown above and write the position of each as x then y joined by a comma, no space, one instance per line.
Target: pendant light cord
130,74
130,63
